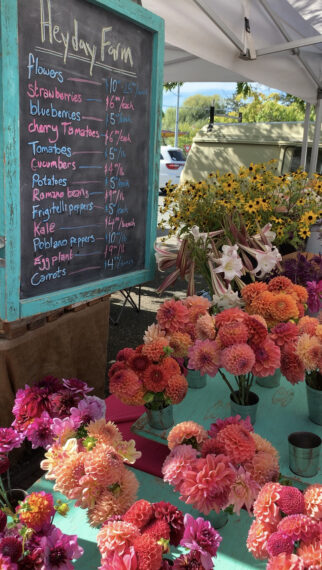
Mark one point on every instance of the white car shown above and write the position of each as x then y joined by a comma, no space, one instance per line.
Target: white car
172,161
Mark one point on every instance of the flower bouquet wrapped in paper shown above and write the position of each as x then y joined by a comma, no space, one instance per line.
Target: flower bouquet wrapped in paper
224,467
142,537
287,527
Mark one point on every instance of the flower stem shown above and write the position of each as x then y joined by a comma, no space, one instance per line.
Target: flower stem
229,385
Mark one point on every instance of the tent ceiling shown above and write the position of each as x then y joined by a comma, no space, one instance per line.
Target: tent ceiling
214,33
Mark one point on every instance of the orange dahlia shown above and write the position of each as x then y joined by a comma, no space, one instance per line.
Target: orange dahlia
116,536
197,306
155,378
284,561
177,388
268,358
233,333
170,366
104,432
279,284
229,315
300,292
313,501
124,384
155,350
103,464
237,442
261,305
265,508
308,325
258,535
172,316
180,342
36,510
139,514
283,307
263,467
311,554
186,431
249,292
69,474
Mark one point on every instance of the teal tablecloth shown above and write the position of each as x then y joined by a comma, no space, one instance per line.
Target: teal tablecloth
281,411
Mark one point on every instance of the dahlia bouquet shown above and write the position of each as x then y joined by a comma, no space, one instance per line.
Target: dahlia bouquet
287,527
301,350
278,301
242,346
148,375
141,539
31,540
36,407
224,467
87,464
181,322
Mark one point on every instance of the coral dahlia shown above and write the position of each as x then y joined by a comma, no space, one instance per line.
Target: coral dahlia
238,359
185,432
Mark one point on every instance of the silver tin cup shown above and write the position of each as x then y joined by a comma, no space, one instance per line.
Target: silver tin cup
304,453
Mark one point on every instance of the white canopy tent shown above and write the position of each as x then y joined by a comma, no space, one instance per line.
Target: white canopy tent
275,42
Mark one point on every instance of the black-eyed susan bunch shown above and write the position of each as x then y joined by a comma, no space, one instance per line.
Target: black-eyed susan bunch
292,203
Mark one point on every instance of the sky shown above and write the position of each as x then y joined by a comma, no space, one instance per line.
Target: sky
224,89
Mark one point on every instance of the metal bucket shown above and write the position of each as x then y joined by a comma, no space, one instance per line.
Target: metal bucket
304,453
195,379
270,381
244,411
160,419
314,402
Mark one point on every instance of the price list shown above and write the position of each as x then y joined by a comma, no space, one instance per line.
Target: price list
84,113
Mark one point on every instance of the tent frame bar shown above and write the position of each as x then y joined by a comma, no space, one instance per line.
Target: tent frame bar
219,23
290,45
281,28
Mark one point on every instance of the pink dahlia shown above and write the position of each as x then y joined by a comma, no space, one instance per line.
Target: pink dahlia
89,409
268,358
126,561
238,359
204,355
205,327
257,329
207,485
291,500
76,385
309,350
243,491
285,562
299,527
200,536
103,464
178,461
311,554
220,424
188,432
279,542
11,547
125,354
313,501
284,333
308,325
265,507
291,366
173,516
237,443
6,564
116,536
172,316
263,467
9,439
139,514
257,538
40,431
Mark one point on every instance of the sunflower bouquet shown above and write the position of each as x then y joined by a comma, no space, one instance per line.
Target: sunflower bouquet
291,202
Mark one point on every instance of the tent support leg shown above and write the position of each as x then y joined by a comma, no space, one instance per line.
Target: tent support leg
305,135
316,138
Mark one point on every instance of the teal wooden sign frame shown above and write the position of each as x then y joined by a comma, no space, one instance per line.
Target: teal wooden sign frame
12,306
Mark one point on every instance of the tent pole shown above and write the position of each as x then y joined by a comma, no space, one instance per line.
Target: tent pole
305,135
177,116
316,138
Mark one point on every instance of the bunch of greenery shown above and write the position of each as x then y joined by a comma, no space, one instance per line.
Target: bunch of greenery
291,203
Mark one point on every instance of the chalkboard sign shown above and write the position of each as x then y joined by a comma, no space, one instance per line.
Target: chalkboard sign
85,116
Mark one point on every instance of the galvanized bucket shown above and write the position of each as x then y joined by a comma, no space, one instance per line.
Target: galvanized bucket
244,411
304,453
195,379
270,381
160,419
314,402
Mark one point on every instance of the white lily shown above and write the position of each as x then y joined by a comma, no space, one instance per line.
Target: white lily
227,299
231,265
266,260
266,230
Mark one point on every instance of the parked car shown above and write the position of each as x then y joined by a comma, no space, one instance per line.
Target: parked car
172,161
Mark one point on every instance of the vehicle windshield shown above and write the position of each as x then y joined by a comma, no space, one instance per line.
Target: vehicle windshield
177,155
